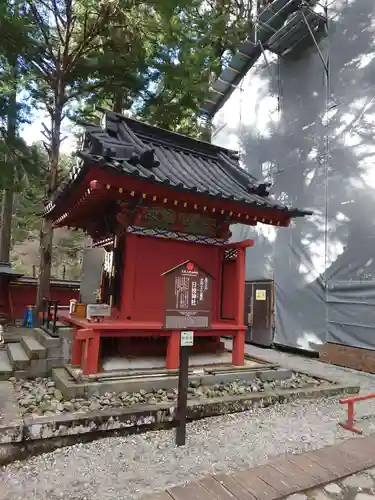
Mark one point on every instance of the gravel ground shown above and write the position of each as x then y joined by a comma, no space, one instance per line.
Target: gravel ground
40,396
129,467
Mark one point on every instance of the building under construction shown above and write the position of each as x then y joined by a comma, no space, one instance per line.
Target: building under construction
297,101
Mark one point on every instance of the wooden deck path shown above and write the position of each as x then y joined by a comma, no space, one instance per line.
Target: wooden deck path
281,477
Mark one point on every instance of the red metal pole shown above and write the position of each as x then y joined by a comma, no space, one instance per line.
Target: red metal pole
350,420
349,424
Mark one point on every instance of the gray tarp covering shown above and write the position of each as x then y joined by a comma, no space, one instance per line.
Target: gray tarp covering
315,139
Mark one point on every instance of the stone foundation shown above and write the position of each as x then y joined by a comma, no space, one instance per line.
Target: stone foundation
50,432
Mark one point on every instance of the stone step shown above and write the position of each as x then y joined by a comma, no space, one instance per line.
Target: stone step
18,357
14,334
5,366
33,348
46,340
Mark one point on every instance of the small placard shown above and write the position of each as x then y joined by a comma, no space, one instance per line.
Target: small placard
188,297
98,310
187,339
260,295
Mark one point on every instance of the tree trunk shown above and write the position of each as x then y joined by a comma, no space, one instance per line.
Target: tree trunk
6,223
7,201
46,232
118,102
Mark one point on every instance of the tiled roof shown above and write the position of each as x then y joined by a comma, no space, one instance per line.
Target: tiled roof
7,270
134,149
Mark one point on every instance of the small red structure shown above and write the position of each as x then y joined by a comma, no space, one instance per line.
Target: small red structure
18,291
350,401
156,200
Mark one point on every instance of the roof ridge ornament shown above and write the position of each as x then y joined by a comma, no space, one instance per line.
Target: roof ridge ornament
262,189
148,159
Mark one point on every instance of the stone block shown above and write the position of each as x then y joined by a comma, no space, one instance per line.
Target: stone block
20,374
54,352
54,363
38,368
70,424
226,378
5,366
33,348
17,356
66,333
272,375
11,433
66,350
46,340
65,383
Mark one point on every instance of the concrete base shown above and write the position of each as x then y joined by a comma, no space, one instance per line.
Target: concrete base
68,428
149,382
10,422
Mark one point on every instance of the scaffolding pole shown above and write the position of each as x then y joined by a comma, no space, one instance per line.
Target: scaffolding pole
265,58
325,64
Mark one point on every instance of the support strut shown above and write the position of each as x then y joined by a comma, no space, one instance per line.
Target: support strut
315,42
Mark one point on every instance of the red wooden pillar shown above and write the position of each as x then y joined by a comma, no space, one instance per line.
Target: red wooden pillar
173,350
77,351
91,357
129,276
238,351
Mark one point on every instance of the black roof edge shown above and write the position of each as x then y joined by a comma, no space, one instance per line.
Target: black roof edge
175,137
293,212
300,213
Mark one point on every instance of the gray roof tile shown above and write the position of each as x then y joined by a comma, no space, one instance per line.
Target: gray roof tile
135,149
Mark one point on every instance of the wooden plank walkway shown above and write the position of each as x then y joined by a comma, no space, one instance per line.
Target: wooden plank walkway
284,476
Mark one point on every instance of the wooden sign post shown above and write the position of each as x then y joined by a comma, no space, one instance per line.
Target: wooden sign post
188,303
186,342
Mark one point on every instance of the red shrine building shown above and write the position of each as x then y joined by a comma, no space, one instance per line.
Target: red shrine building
161,205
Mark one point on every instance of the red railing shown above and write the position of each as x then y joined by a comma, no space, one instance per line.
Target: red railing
350,401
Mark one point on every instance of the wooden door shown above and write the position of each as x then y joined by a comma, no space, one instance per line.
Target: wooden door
259,312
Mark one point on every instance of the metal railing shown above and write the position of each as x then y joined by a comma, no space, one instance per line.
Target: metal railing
50,316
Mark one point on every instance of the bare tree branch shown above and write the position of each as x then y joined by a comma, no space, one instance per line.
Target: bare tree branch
89,36
46,131
41,26
58,21
47,76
